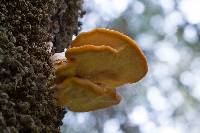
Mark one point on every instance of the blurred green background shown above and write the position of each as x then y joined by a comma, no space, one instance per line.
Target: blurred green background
167,100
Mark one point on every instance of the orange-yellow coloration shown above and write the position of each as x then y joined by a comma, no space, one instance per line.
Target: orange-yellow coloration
108,67
81,95
98,62
64,69
102,36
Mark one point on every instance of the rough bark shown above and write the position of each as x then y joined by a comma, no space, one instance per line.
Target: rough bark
27,103
64,22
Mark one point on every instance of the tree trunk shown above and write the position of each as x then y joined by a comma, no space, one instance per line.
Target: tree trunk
27,103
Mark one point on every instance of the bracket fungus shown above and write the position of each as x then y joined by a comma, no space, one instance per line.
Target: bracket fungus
96,64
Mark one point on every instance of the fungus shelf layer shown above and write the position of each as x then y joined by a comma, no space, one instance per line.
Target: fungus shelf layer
102,58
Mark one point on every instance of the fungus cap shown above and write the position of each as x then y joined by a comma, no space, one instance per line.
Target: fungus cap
81,95
95,57
99,36
126,62
64,69
98,62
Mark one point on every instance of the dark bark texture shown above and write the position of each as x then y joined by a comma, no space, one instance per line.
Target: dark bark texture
27,104
64,23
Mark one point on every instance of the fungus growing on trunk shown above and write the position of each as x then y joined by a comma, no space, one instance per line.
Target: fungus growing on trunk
97,63
81,95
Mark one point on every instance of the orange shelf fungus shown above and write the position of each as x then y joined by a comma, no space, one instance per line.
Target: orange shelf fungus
96,64
81,95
